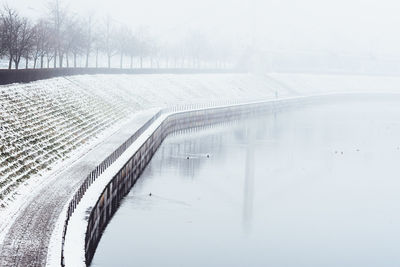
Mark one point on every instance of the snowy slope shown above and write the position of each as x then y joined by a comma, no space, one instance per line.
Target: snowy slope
318,84
45,122
42,123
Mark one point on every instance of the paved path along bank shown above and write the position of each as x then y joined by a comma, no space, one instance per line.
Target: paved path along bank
27,240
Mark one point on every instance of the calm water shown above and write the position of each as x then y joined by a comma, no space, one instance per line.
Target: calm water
317,186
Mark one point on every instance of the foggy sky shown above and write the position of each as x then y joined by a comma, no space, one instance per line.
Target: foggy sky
353,27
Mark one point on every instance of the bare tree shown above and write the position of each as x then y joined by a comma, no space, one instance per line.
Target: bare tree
2,43
177,53
132,48
154,52
61,36
108,40
98,45
169,54
122,39
142,45
196,46
89,39
11,24
16,36
58,16
73,39
78,44
23,43
50,47
28,49
143,49
40,42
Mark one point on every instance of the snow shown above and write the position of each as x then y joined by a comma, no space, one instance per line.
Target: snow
41,216
75,238
74,250
73,114
43,122
47,125
23,194
94,158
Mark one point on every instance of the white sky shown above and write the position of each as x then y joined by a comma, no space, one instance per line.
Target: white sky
356,27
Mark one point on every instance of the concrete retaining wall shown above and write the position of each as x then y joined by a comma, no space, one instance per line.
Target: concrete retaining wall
98,213
121,184
29,75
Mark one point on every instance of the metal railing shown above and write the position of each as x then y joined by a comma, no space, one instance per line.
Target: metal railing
118,152
97,172
227,107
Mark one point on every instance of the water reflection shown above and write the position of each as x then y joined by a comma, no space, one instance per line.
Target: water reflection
188,156
315,186
248,196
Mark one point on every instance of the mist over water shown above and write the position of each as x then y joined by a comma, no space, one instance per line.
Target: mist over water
314,186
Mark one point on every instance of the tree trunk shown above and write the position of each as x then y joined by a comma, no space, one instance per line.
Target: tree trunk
67,59
10,63
121,61
74,60
141,62
131,62
97,58
55,59
16,62
109,61
34,62
87,59
26,62
61,59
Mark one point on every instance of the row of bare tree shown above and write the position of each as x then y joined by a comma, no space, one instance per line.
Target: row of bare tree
62,39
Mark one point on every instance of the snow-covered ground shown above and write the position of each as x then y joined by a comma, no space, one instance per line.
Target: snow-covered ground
43,122
51,124
46,125
40,213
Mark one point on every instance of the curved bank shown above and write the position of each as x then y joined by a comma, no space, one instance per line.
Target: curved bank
102,199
